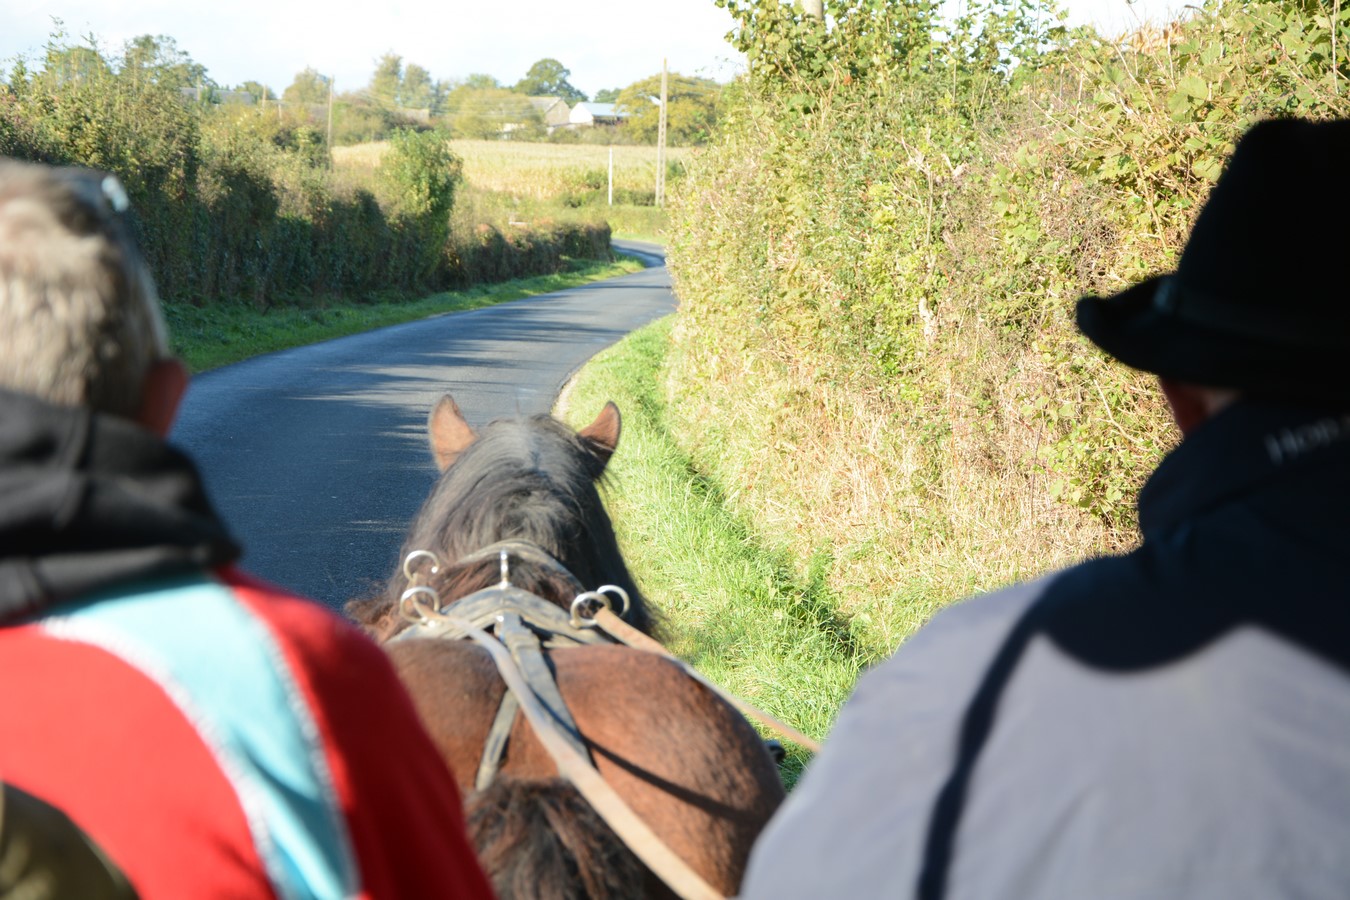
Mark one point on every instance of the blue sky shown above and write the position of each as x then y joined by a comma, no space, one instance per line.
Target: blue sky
605,43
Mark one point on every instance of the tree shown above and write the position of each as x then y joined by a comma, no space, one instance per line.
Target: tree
440,97
357,118
490,112
417,90
308,87
607,95
421,174
692,106
479,81
548,78
75,64
156,59
257,89
387,81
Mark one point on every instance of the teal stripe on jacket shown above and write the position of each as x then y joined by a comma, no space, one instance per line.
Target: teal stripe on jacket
221,667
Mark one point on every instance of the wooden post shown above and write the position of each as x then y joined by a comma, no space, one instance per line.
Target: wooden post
661,145
814,8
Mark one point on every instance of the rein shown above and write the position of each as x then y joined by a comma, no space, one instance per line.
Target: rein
523,625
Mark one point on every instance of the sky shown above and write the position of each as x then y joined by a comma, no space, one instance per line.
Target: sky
604,43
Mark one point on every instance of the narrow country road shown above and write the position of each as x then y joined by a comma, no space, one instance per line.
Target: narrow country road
317,457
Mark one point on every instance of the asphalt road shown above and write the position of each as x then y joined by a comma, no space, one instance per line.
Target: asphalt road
317,457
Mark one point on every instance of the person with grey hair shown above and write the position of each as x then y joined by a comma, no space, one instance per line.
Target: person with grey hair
211,734
1169,722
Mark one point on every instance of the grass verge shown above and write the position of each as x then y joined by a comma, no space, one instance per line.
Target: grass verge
211,336
736,611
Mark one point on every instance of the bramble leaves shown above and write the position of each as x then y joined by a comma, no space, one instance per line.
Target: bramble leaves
912,207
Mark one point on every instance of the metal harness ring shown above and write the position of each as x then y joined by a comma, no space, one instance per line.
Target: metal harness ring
416,613
594,601
419,554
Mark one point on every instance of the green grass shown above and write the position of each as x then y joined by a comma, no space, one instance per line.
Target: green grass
735,611
211,336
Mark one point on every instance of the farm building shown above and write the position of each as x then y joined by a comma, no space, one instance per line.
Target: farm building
553,111
585,115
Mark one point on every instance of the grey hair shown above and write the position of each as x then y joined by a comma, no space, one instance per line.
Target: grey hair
80,320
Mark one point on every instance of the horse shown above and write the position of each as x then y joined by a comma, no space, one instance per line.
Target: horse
682,758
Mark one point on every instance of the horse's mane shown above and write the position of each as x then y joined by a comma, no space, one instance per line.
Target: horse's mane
529,479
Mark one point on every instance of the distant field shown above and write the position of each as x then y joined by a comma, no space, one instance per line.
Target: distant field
534,171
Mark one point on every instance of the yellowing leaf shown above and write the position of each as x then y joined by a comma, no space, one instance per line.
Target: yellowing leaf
1194,86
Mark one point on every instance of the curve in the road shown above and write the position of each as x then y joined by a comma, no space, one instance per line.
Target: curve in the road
316,457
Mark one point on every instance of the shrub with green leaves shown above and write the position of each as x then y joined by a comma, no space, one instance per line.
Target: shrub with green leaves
879,258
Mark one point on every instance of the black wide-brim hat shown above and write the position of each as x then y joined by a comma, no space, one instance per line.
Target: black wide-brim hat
1260,299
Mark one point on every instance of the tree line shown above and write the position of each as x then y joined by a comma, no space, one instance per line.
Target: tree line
404,94
480,106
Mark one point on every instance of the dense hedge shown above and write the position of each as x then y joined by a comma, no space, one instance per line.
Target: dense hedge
879,258
230,203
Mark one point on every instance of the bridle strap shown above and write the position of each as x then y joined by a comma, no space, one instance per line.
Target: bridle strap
529,659
527,653
576,768
494,748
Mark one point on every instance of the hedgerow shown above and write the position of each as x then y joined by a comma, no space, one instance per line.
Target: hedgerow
879,258
233,203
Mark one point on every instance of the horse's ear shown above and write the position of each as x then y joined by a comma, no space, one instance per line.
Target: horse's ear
450,434
603,433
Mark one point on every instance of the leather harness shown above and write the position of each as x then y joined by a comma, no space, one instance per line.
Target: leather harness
527,625
515,627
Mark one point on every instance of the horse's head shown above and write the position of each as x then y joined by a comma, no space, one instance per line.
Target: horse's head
532,480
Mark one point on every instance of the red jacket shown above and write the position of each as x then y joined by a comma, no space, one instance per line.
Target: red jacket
214,736
320,782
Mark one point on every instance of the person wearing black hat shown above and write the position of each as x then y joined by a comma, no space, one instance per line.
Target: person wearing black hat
1174,721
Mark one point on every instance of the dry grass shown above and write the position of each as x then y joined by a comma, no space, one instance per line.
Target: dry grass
916,508
535,171
916,490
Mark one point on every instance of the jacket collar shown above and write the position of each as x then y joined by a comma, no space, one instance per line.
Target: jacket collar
87,501
1236,452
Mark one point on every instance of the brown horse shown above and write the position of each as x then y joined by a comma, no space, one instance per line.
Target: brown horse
682,758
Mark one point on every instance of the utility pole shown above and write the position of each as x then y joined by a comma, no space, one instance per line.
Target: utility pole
611,174
661,145
331,79
815,9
